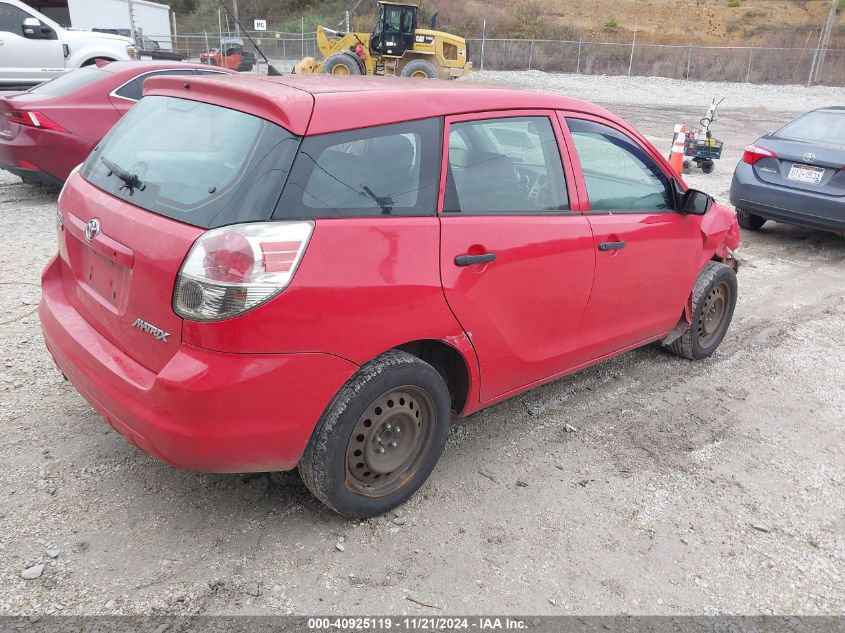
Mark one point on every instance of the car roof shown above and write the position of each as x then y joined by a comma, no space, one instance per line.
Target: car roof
318,104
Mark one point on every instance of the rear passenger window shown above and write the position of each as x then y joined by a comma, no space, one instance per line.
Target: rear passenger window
134,89
504,166
383,170
618,172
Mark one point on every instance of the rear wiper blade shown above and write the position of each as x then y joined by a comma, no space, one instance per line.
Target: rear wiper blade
130,180
385,203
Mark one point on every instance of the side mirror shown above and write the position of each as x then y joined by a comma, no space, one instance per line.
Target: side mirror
34,30
695,202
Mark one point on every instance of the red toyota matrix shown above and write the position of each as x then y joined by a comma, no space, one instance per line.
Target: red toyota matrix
259,274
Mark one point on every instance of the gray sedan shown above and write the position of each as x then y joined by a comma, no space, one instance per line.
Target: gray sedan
796,175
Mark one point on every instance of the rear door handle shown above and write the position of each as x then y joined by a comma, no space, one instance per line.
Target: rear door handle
611,246
469,260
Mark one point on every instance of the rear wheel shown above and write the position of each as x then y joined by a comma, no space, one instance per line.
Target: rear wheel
342,64
380,438
749,221
420,69
713,303
707,166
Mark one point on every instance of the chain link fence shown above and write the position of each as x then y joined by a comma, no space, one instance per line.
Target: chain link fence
283,49
763,65
703,63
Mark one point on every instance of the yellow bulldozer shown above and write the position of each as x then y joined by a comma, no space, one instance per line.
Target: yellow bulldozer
396,47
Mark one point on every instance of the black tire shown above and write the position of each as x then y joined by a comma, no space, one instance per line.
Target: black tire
336,64
213,62
749,221
708,166
716,285
245,68
420,68
330,467
686,167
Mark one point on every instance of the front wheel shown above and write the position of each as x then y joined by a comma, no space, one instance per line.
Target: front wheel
380,438
420,69
713,303
342,64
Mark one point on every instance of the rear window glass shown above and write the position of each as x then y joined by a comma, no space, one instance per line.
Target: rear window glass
382,170
817,127
194,162
70,81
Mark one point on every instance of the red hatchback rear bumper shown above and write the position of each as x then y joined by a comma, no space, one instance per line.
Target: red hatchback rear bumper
206,411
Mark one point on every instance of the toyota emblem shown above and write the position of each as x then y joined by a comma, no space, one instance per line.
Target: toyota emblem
92,229
809,157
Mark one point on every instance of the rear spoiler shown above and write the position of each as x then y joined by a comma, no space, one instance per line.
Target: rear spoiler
262,97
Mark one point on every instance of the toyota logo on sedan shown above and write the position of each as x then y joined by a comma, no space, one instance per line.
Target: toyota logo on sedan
92,229
809,157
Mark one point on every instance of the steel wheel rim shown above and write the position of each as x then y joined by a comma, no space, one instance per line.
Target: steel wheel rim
713,315
340,69
419,74
389,441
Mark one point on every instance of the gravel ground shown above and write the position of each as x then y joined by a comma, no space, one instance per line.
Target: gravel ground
644,485
662,91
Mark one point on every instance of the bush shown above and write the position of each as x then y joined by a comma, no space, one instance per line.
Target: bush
611,24
733,4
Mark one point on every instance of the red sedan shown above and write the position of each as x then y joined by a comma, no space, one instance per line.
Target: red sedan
48,130
260,274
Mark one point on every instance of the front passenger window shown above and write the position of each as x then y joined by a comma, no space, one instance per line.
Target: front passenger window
618,172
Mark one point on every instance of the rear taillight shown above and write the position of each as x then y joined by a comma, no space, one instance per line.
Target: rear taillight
236,268
753,153
31,118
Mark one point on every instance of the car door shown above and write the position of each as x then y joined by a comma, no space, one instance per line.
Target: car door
516,262
31,59
647,253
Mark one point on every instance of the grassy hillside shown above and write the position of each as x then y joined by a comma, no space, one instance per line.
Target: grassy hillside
729,22
739,22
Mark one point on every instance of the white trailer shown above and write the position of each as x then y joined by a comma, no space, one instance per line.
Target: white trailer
151,18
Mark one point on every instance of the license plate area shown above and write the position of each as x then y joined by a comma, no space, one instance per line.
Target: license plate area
809,174
104,276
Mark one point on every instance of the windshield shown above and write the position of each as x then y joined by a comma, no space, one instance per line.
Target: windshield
817,127
194,162
70,81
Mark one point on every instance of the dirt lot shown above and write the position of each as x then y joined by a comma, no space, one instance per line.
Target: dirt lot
711,487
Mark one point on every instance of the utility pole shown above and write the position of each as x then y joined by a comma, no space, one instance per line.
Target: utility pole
235,11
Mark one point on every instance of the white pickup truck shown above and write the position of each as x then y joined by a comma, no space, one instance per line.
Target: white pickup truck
33,48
